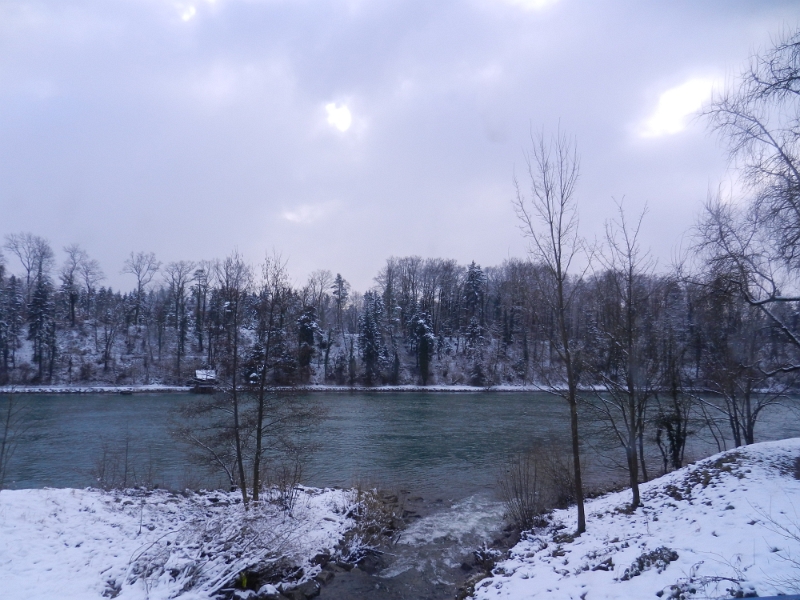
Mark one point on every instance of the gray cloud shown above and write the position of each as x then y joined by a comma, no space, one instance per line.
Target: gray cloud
123,127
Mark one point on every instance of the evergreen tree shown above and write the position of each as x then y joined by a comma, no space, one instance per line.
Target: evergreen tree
425,344
475,292
11,323
474,336
340,290
370,338
41,324
307,329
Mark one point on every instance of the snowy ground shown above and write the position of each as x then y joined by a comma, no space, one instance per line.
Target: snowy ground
91,389
725,526
79,544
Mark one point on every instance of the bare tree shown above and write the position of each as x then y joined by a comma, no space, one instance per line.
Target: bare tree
34,253
549,218
757,245
143,266
626,366
235,278
70,273
203,284
271,304
90,274
738,339
674,405
178,275
317,288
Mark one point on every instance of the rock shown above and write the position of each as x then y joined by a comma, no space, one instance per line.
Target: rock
345,565
333,568
369,564
310,589
606,565
321,559
324,577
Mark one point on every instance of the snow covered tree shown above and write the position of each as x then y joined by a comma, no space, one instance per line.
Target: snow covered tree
201,288
474,337
307,331
11,325
340,290
424,343
42,325
370,338
475,293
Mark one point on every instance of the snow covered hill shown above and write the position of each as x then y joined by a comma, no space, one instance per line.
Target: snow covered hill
727,526
79,544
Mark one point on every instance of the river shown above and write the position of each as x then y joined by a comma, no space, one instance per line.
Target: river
440,451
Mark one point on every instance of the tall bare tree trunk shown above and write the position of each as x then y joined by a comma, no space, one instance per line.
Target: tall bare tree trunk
549,219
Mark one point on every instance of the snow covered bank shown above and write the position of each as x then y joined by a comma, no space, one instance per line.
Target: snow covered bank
727,526
156,387
131,389
79,544
92,389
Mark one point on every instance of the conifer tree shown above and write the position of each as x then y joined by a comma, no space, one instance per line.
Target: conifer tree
371,337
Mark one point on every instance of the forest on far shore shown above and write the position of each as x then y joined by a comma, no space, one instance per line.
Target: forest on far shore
425,322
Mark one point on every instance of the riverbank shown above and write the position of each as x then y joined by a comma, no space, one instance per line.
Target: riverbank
152,388
137,544
726,526
94,389
341,389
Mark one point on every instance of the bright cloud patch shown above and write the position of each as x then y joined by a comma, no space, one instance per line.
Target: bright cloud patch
675,106
306,213
187,12
531,4
339,116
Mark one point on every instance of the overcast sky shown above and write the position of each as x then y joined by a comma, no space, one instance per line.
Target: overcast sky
339,133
